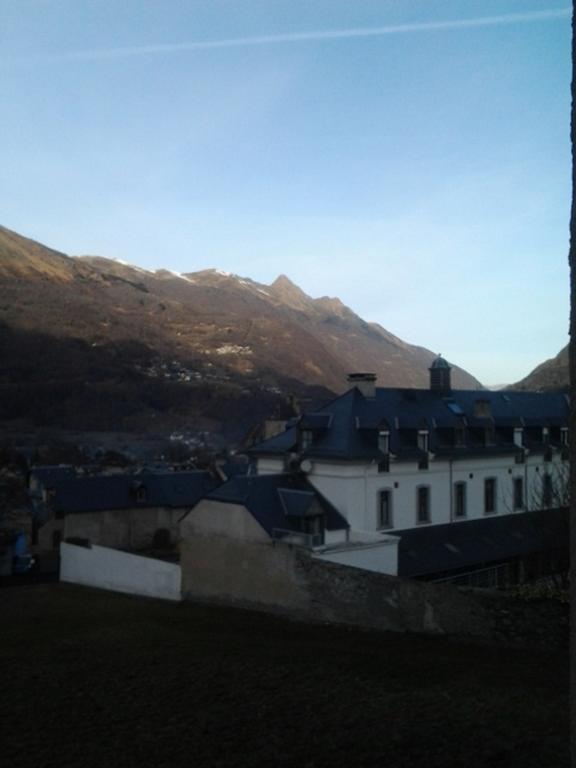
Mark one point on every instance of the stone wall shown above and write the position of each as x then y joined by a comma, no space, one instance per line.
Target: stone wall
120,528
285,580
289,581
247,573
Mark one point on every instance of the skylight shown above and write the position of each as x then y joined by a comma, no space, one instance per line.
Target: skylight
454,407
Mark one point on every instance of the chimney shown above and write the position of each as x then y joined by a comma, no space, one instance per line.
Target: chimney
482,409
365,383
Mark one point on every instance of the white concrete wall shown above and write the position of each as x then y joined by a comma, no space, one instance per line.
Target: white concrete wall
119,571
338,536
381,558
353,488
270,466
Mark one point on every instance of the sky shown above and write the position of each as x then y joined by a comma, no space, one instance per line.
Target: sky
410,157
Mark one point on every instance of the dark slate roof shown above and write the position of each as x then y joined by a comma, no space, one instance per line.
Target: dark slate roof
48,472
296,503
274,499
436,549
104,492
354,421
232,468
315,421
439,362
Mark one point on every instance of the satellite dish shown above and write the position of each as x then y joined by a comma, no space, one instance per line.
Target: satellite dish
306,466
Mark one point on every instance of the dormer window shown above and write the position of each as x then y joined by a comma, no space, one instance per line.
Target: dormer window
306,437
423,440
49,495
459,436
384,441
139,492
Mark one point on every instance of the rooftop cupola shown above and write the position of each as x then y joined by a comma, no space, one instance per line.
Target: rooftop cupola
440,375
365,382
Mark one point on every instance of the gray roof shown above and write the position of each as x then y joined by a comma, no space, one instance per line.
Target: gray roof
126,491
276,501
439,362
438,549
347,427
48,472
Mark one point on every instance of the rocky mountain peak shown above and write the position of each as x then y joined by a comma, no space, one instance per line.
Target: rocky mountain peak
289,293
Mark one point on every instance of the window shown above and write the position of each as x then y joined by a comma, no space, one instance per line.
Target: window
385,509
564,436
305,439
547,490
423,440
49,495
141,494
545,435
459,499
518,436
489,436
489,495
520,457
423,504
384,464
384,441
518,493
459,436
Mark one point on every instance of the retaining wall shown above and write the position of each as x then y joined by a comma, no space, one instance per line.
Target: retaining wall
290,581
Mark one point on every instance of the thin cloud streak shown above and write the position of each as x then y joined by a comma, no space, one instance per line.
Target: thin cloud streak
296,37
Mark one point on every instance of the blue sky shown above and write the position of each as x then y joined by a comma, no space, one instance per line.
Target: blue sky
410,157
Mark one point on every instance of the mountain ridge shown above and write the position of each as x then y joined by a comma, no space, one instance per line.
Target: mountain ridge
246,340
552,374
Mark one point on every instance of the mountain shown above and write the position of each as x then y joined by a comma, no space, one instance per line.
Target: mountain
552,374
89,341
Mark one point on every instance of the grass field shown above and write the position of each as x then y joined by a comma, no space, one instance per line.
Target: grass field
91,678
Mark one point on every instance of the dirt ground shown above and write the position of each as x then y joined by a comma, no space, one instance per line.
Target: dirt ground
91,678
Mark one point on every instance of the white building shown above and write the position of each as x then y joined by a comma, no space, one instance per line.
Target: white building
435,483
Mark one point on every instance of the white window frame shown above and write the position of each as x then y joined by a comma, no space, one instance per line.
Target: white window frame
428,505
423,440
460,484
515,506
390,524
494,509
384,441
